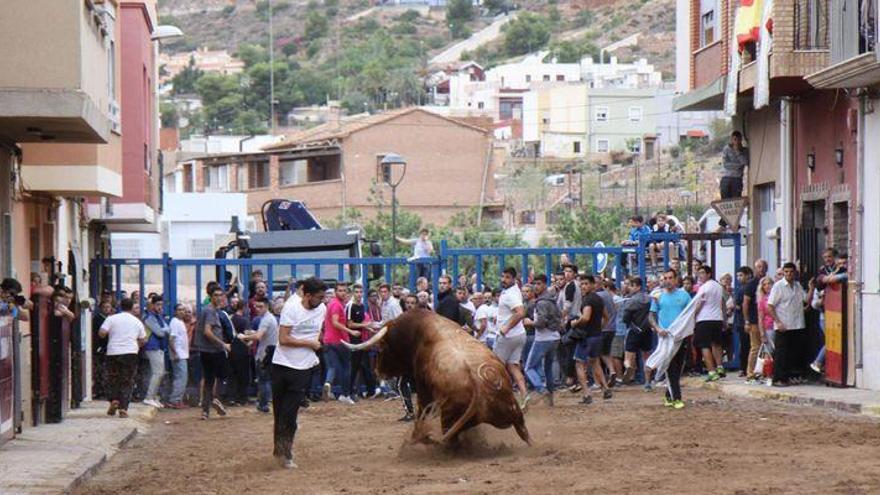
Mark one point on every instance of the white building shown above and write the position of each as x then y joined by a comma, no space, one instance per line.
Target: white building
500,94
188,229
227,144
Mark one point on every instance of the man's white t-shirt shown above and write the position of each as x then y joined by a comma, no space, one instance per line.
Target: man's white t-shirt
511,298
305,324
486,312
712,295
179,340
123,331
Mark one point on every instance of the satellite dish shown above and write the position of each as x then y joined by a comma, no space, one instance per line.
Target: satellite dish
601,258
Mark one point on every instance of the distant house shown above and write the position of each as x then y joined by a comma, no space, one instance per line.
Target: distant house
333,167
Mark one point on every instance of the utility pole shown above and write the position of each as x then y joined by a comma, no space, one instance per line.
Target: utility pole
271,72
636,194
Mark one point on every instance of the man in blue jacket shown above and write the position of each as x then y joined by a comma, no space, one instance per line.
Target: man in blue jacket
157,343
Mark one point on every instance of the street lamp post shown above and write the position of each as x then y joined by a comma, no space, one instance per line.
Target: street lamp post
390,162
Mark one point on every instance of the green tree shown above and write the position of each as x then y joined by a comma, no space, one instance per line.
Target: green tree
494,6
525,34
458,14
316,25
169,115
252,54
583,227
185,81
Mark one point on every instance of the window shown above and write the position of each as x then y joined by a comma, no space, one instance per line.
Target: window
707,28
294,172
241,171
481,105
201,248
527,217
601,146
560,77
634,145
545,120
546,77
383,171
576,147
552,217
528,78
601,114
635,114
258,175
217,178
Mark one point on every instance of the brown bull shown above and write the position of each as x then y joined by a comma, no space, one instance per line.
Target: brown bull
454,374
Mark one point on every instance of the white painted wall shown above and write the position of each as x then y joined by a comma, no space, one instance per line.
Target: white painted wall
870,257
682,46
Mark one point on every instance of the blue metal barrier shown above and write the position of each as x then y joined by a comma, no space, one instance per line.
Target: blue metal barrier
544,255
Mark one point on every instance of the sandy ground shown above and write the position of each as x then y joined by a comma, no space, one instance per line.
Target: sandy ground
630,444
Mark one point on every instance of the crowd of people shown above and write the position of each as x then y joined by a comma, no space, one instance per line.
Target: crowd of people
565,332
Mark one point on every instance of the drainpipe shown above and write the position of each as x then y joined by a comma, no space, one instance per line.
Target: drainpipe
860,229
786,178
484,182
240,143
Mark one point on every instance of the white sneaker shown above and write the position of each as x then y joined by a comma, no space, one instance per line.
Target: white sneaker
345,399
326,392
153,403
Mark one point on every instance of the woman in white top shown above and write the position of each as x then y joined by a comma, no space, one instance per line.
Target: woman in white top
299,337
125,336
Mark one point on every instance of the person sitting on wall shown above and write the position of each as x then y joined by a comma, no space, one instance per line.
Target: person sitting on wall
12,302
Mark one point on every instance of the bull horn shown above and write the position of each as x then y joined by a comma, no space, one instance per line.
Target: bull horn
373,340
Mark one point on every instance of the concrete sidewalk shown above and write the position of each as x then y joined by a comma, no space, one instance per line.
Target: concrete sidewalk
851,400
55,458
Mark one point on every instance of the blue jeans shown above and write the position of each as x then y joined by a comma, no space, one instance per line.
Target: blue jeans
541,356
338,366
180,375
530,340
157,371
264,384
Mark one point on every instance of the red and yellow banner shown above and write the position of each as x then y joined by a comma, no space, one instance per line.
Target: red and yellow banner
835,328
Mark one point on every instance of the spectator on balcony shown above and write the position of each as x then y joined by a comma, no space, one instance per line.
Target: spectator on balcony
734,159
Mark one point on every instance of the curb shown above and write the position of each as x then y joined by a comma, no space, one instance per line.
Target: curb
870,410
100,460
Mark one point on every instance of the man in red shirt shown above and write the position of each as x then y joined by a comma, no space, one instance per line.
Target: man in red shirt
336,356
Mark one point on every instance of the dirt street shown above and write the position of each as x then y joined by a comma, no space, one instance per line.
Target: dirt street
630,444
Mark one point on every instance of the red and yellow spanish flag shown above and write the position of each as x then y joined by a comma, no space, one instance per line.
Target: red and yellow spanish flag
748,22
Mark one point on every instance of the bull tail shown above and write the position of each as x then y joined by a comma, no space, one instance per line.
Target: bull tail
459,425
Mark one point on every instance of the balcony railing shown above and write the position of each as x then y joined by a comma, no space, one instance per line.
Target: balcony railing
811,20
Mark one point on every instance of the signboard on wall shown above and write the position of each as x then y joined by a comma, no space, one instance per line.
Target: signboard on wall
731,210
835,335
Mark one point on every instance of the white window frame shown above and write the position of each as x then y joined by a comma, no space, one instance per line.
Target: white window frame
201,248
217,178
599,146
635,113
601,114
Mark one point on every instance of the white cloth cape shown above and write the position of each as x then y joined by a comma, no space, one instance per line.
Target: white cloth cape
680,329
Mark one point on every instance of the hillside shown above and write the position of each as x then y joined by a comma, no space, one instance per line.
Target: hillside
228,24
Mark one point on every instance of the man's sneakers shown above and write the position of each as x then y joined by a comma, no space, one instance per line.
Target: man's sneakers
286,462
407,418
815,367
612,380
153,403
628,375
587,400
218,406
713,376
263,409
673,404
667,402
575,388
326,392
721,372
648,387
345,399
606,394
114,406
524,402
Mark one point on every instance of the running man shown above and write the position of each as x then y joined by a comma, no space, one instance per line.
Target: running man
589,348
664,310
299,338
511,333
